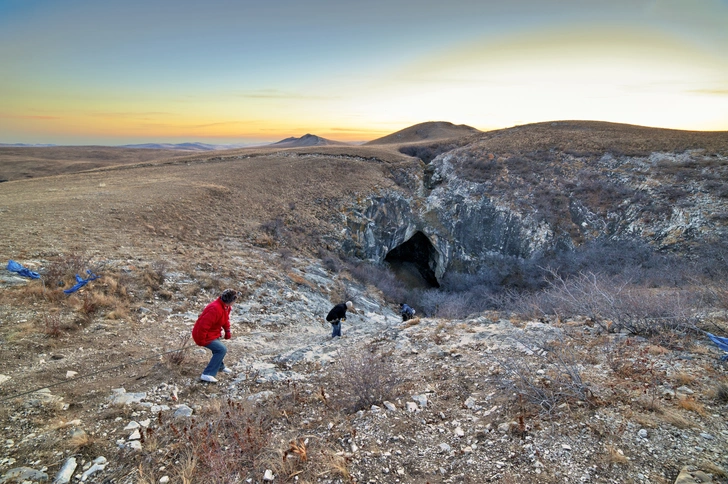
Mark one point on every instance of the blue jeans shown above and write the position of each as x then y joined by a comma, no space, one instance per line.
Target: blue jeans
336,329
218,353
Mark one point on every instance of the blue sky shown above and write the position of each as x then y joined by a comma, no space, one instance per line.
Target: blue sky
109,72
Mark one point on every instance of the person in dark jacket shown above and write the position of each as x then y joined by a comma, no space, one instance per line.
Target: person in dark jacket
213,320
336,316
406,312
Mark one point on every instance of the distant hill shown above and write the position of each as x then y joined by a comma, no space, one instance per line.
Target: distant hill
431,130
305,140
25,145
185,146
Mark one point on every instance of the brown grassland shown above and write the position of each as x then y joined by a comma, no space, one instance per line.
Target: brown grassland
168,230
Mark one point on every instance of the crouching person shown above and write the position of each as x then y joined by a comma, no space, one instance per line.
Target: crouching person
208,329
336,316
406,312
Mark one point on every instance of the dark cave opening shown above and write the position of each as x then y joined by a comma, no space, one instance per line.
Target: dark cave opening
414,262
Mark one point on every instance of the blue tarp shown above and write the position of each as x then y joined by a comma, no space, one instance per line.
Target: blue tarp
15,267
80,282
721,342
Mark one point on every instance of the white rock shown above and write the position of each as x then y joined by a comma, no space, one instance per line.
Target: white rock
135,435
421,400
411,407
164,480
132,425
71,374
64,475
390,406
268,476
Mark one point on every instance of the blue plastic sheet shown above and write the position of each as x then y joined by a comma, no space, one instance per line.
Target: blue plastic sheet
80,282
15,267
721,342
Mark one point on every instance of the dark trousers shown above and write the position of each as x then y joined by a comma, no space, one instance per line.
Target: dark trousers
336,329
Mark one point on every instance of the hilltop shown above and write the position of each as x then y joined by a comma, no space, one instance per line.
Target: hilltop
429,131
305,140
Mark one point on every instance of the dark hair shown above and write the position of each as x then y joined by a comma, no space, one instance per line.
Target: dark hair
229,296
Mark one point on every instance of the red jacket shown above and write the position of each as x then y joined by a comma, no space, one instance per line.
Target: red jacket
213,319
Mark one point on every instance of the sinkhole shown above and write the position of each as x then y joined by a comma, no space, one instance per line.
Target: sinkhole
414,262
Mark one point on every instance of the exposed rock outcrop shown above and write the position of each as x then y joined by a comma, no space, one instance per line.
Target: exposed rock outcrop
472,204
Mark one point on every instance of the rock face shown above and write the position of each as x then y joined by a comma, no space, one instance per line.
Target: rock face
470,205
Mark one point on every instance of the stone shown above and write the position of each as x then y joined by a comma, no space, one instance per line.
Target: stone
66,472
268,476
183,411
22,474
691,475
421,400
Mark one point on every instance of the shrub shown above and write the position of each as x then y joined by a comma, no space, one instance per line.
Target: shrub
613,305
560,383
64,268
365,379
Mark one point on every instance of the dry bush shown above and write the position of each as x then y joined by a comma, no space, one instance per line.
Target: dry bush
614,305
178,356
365,379
720,392
224,444
52,324
64,268
560,383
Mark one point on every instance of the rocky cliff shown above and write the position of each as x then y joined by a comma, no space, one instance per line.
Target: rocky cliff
566,184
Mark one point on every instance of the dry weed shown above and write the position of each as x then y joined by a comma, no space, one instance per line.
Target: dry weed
714,469
178,356
721,392
691,404
616,456
683,379
52,325
676,420
411,322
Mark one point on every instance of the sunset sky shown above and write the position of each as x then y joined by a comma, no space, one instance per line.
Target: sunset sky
242,71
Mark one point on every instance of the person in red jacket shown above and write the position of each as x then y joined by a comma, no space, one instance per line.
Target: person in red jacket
213,320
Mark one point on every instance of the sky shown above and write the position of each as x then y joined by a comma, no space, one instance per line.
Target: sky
77,72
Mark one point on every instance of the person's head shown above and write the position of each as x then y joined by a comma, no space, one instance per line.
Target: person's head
229,296
349,305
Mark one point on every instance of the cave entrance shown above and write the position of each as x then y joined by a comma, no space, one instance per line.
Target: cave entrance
414,262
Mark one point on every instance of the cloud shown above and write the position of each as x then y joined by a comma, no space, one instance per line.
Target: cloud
711,92
127,115
276,94
21,116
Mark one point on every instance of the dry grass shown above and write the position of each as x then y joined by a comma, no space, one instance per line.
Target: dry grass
683,379
411,322
675,419
691,404
616,456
